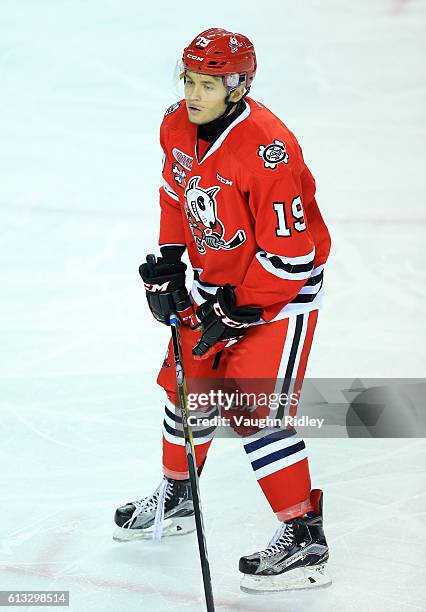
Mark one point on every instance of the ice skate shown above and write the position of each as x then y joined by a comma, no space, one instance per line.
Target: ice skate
168,511
295,557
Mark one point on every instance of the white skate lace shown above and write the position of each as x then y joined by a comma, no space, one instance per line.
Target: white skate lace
155,502
282,538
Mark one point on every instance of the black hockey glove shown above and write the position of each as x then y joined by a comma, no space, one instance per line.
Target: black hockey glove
222,323
165,289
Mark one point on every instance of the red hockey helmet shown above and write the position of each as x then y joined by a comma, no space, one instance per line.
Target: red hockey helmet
221,53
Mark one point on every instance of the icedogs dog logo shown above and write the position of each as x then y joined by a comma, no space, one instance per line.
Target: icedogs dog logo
207,229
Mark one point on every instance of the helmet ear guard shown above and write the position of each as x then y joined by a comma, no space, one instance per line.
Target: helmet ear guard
231,80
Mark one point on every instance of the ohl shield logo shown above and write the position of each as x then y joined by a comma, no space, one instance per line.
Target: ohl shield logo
201,212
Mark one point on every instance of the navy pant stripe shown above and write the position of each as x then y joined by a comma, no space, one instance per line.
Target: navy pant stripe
273,437
279,454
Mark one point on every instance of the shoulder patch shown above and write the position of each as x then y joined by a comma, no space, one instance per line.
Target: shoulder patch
273,154
172,108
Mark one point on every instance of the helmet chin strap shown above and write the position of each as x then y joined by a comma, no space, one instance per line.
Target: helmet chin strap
229,107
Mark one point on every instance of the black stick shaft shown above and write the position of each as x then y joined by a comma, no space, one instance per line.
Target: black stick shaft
192,466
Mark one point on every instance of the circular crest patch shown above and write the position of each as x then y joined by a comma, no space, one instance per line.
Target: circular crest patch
273,154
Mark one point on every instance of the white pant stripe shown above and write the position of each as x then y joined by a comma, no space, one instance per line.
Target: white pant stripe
181,441
272,447
286,355
280,464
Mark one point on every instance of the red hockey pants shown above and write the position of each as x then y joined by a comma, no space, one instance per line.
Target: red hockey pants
278,350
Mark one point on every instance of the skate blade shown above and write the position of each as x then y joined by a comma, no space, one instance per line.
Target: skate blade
312,577
171,527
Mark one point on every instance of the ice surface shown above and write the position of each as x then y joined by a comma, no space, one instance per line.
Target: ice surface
83,89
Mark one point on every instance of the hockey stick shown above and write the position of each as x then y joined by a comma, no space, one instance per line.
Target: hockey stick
190,456
235,241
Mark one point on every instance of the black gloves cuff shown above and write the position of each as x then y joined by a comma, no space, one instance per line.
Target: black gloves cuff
172,253
241,314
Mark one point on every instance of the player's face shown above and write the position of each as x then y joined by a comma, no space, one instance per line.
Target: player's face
204,96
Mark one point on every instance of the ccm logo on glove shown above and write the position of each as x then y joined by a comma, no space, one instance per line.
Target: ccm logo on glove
153,288
225,319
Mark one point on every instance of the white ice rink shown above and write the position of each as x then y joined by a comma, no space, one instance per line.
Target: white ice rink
83,87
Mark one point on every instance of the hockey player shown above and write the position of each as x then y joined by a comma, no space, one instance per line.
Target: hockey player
238,196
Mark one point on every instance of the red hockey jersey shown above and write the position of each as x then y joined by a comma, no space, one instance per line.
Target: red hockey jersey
246,211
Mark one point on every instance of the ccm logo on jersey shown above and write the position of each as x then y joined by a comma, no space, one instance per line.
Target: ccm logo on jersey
153,288
225,181
273,154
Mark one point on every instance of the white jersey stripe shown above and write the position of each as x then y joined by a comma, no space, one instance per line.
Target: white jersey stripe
197,297
292,261
310,289
164,244
289,270
295,309
170,191
292,308
317,270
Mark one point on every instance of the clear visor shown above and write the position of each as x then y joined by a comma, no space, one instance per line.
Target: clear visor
231,80
178,74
